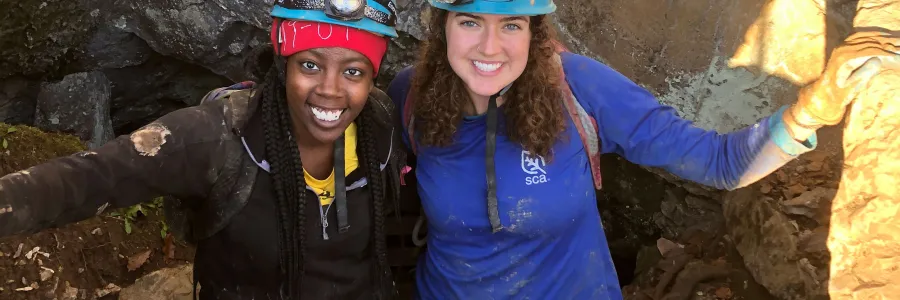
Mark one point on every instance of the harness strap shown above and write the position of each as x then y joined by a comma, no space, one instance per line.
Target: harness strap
409,120
585,124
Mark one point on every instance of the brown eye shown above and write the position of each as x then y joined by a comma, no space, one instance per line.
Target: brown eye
353,72
309,65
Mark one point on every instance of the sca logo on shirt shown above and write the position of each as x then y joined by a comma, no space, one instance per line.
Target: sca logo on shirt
533,166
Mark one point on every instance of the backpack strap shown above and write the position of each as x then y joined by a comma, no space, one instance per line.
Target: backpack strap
408,120
224,92
584,123
232,186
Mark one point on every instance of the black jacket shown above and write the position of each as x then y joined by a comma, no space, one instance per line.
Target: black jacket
185,154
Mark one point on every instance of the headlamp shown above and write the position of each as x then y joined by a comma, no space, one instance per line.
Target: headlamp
346,10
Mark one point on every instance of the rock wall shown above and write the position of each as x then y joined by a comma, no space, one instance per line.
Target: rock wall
721,63
865,250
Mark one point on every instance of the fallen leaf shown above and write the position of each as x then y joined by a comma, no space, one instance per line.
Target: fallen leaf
109,289
19,251
46,273
138,260
723,293
24,289
664,245
31,253
765,187
70,293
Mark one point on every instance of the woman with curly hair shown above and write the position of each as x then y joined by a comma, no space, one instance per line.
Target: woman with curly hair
505,179
283,186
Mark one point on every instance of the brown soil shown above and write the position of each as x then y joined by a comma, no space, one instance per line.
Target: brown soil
707,268
84,257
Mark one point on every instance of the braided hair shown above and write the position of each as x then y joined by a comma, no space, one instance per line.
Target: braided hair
290,184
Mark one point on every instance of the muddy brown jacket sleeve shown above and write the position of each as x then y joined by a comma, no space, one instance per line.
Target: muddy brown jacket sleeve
174,155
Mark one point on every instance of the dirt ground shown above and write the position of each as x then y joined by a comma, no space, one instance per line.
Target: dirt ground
86,260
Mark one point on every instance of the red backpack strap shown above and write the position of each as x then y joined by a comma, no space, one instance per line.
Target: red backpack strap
584,123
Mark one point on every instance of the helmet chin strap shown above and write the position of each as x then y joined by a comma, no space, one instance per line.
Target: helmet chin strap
490,166
340,186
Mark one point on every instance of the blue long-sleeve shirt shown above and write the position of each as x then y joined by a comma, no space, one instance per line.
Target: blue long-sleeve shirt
552,245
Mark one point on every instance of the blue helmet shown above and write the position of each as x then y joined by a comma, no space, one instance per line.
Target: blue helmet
497,7
378,16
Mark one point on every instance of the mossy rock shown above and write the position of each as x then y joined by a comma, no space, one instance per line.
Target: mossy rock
42,36
23,146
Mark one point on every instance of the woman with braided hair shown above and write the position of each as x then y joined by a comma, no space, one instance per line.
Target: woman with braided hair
283,186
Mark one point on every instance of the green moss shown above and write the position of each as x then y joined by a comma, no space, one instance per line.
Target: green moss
28,146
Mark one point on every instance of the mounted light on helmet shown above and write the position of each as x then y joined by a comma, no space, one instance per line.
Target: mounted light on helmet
379,16
346,10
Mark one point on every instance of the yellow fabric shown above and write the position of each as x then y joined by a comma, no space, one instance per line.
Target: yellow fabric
325,188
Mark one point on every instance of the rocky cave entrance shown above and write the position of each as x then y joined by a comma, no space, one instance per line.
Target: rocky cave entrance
646,213
673,239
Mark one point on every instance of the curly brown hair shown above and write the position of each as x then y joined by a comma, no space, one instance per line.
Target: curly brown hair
441,95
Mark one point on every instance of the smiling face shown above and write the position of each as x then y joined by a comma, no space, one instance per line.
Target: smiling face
488,52
326,89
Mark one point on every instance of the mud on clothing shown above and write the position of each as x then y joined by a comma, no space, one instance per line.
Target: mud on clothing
240,261
339,268
552,245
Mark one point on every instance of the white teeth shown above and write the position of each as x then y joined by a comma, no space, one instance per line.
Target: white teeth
487,67
326,115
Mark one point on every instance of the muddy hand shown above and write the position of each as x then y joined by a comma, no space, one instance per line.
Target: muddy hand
852,64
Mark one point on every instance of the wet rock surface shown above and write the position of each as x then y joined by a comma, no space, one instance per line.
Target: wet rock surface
79,105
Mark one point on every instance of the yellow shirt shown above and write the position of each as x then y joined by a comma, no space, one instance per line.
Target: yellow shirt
325,188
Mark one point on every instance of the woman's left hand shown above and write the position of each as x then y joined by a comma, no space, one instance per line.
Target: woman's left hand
852,64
